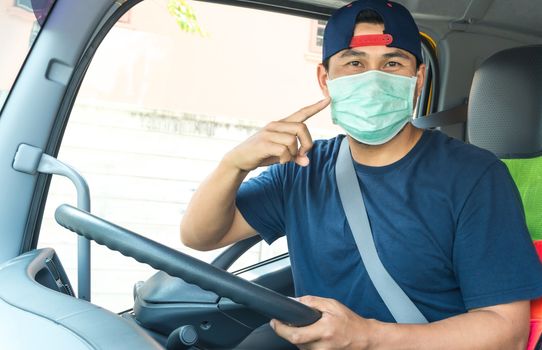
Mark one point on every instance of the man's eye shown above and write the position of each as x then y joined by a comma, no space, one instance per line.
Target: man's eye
393,64
355,63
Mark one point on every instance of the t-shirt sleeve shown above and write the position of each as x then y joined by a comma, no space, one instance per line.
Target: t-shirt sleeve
260,201
494,257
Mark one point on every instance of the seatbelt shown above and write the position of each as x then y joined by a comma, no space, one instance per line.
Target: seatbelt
450,116
401,307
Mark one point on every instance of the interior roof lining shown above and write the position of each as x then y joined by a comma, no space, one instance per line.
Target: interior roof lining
282,6
448,24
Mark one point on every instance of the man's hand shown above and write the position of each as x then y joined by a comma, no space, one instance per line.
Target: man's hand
498,327
223,223
277,142
339,327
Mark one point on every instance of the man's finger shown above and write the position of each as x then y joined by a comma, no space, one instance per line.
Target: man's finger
298,129
287,140
280,151
307,112
294,335
302,160
321,304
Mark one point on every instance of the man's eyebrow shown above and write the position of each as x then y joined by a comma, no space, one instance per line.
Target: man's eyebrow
396,54
354,53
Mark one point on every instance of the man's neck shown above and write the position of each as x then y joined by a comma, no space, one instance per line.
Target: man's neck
388,153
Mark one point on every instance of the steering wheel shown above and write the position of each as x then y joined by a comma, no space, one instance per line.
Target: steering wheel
260,299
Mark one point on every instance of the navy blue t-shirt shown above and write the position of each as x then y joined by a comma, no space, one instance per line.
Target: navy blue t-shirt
447,221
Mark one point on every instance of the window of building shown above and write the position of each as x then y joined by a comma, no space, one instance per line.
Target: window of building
320,27
317,36
25,4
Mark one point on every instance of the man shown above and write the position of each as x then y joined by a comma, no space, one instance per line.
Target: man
445,216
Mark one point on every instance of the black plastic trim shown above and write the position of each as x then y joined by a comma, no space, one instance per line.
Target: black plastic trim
261,263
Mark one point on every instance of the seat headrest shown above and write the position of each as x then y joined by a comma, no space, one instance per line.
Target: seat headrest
505,103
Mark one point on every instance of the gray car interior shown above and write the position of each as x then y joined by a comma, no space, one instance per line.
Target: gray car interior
37,297
505,113
38,307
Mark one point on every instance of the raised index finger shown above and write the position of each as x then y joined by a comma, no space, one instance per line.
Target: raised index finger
307,112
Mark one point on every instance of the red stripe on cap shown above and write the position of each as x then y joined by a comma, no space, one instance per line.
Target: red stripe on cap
371,40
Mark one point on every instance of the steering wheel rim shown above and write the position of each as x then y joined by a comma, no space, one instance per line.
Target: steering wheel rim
260,299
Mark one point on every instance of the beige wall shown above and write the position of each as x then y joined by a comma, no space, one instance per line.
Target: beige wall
159,108
251,64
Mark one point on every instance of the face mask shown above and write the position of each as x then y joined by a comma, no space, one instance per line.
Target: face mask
372,107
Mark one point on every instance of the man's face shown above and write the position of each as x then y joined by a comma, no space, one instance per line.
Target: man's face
362,59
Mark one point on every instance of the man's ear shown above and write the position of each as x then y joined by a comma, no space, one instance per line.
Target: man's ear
420,74
322,79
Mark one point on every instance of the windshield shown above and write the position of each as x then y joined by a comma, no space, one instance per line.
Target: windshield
20,23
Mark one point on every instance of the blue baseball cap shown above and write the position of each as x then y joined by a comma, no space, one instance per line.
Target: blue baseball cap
400,30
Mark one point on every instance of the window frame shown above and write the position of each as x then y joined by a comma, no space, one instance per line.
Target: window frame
316,26
429,97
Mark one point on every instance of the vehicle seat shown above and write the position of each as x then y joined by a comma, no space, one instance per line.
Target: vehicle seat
505,117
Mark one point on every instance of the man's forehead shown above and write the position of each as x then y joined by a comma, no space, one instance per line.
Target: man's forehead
375,51
368,28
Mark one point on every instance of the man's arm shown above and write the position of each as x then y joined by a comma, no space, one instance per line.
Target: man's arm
212,219
500,327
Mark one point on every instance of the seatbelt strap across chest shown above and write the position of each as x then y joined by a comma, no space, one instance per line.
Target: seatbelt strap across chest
398,303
